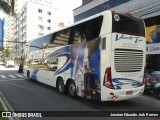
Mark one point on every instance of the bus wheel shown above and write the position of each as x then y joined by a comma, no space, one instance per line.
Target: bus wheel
72,89
61,86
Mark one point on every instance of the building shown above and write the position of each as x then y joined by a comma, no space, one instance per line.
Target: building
35,19
1,32
149,10
9,32
144,8
20,3
5,31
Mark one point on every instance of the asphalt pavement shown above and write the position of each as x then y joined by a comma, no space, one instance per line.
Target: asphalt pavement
24,95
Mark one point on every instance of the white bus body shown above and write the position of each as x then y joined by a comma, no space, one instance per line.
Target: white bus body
109,66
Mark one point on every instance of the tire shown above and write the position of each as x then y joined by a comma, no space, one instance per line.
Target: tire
72,89
60,86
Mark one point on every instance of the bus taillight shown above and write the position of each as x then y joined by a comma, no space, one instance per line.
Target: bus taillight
108,79
113,11
128,13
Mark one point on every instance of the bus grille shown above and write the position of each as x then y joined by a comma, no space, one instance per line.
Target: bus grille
128,60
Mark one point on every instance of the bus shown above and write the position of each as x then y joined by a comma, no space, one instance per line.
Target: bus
101,58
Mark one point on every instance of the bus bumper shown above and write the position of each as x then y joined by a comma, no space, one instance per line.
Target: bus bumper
118,95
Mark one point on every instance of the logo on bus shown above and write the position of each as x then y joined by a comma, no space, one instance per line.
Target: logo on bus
133,38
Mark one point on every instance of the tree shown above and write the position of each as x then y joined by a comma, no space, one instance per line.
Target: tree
7,7
1,48
6,53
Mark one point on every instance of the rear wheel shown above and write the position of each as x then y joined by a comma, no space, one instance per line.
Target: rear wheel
60,86
72,89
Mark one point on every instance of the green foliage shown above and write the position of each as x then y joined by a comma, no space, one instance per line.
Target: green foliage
6,7
2,109
1,48
6,53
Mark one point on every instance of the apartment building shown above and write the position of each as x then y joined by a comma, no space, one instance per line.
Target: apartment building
35,19
9,34
20,3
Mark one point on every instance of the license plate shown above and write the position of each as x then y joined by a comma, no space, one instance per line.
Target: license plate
129,92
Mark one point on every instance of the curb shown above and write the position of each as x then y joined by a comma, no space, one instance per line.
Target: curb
7,107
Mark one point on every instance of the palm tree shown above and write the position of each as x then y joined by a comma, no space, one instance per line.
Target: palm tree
7,7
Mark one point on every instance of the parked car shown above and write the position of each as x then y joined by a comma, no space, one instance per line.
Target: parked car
156,73
150,81
156,90
35,61
10,64
2,63
52,64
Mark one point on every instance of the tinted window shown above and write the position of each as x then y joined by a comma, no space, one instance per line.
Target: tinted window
60,38
127,24
86,31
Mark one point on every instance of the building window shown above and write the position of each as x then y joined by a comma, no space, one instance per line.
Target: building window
48,28
49,21
40,34
40,27
39,18
49,13
40,10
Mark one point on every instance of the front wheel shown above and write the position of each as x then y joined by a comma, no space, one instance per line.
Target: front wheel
60,86
72,89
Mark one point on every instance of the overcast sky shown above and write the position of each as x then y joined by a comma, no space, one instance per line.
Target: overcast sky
64,8
67,4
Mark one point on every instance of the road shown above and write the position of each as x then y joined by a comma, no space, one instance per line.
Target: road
24,95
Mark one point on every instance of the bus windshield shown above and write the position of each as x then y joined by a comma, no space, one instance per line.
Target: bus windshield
127,24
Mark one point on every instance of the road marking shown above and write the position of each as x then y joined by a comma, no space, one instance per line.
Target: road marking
11,76
19,75
3,76
12,80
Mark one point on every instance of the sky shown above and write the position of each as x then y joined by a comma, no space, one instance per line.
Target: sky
2,15
64,9
67,4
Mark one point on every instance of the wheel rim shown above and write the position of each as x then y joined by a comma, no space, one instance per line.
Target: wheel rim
61,86
72,89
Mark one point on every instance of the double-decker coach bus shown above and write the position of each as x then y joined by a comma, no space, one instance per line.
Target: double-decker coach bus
100,58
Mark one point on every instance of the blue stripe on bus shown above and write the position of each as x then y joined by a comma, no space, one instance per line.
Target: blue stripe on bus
33,77
119,81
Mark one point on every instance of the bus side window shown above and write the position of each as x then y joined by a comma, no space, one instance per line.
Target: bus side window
52,64
60,38
79,35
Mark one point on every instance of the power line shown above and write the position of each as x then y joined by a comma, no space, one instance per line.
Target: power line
13,41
